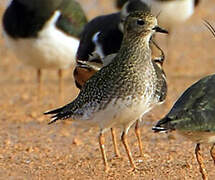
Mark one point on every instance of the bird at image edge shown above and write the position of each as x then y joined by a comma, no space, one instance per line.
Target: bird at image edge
193,115
44,34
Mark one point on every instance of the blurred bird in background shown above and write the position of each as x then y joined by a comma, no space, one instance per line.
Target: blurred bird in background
125,89
44,34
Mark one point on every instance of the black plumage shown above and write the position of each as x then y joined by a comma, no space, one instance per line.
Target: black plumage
108,26
109,31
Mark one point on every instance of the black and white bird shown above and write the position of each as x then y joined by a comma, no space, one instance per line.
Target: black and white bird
44,34
169,12
103,35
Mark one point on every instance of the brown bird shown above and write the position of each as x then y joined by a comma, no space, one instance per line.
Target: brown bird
100,41
125,89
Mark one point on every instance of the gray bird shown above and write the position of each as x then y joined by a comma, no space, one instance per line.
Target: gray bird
86,69
170,13
101,37
124,90
193,115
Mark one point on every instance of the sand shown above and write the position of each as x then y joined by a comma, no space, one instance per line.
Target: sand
31,149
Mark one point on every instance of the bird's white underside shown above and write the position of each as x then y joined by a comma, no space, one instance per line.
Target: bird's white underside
115,116
171,12
52,48
199,136
118,113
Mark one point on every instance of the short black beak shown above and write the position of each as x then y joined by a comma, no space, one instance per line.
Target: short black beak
160,30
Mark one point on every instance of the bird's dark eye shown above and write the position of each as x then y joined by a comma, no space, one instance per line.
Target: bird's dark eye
140,22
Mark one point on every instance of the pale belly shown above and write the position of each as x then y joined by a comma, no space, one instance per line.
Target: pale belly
51,49
118,114
45,52
171,13
199,137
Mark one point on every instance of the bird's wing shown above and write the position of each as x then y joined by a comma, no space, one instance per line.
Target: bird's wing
72,19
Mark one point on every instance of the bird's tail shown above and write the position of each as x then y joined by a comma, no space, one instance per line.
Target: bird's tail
58,114
164,125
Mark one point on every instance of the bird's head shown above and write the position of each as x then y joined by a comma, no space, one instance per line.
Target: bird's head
142,24
131,6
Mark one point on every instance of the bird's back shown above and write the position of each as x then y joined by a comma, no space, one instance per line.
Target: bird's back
161,84
105,24
117,83
195,109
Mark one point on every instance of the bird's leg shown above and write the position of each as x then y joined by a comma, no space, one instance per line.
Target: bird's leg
115,145
128,151
102,147
60,76
39,80
168,45
200,162
137,132
213,153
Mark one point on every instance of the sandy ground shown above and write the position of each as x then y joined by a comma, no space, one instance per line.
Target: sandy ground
31,149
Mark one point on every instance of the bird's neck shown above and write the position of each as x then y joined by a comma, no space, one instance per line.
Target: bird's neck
136,50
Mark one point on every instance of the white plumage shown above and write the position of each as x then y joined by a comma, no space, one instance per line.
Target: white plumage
51,49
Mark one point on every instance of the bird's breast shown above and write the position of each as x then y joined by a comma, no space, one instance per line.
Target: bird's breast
199,136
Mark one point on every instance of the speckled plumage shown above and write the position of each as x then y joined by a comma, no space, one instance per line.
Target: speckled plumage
85,69
125,89
103,34
170,12
131,74
44,33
